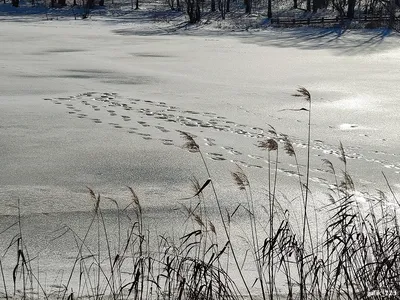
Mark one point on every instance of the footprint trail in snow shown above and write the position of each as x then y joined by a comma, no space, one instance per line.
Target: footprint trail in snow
152,120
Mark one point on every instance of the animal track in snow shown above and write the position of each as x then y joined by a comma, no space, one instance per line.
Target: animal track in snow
159,121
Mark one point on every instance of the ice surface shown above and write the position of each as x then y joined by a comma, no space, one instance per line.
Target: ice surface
94,103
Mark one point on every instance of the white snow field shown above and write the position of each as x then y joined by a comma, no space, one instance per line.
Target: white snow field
97,103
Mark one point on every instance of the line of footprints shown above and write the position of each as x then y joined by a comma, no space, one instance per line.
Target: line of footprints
145,118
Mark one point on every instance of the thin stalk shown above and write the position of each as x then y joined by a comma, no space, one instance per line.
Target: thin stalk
272,220
254,237
305,218
271,230
112,287
225,227
4,280
299,177
78,254
98,256
390,189
21,251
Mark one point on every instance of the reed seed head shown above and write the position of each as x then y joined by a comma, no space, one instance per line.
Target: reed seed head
240,178
190,144
272,130
270,145
95,198
348,181
135,199
304,93
212,227
288,147
342,155
329,164
198,220
330,198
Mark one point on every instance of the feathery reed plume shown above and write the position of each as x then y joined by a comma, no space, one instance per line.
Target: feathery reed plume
304,93
329,164
212,227
135,199
190,144
288,147
348,182
272,130
331,169
330,198
240,178
199,220
342,155
270,145
95,198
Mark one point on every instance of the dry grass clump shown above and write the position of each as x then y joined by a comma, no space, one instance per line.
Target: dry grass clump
355,256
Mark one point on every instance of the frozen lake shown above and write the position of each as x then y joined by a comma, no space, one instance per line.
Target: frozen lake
98,103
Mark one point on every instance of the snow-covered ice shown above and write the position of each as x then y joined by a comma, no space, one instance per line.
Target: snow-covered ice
97,103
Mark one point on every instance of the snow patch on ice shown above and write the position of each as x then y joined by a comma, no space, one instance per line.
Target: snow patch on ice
347,126
355,102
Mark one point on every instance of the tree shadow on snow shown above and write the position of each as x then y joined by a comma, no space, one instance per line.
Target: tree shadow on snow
339,40
344,42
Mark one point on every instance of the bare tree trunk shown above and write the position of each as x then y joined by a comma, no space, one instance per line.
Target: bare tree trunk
212,5
392,13
350,9
340,7
87,6
317,4
137,5
308,5
193,11
222,8
294,3
197,11
269,14
248,4
90,4
228,4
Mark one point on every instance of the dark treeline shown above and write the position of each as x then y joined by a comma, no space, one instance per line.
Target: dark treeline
348,9
195,9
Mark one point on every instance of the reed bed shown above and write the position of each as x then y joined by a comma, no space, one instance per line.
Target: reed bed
356,255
